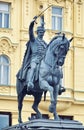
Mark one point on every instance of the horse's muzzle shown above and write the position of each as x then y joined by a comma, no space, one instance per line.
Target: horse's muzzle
61,61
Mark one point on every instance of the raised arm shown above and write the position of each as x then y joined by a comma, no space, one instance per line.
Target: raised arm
31,33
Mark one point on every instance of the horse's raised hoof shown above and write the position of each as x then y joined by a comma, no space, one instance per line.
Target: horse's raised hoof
51,108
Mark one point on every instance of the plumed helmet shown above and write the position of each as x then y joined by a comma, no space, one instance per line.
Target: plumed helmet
41,28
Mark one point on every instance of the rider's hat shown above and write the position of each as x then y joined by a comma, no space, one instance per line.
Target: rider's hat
41,28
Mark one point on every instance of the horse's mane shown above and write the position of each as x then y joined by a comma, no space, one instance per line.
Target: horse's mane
54,38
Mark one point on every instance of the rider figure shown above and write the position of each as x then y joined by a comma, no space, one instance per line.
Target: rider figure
38,48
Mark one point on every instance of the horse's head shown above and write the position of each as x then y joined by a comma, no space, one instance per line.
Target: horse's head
60,46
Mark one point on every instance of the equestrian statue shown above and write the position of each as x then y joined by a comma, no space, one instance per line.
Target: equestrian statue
41,70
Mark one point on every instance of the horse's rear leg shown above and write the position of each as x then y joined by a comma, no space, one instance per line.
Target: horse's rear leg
37,99
20,100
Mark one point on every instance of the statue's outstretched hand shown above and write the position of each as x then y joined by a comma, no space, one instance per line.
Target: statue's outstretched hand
34,19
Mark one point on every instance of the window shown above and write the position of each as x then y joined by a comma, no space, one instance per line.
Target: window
4,15
5,119
4,70
56,18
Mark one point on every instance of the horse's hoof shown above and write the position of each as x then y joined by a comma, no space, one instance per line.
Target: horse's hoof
39,116
51,108
20,121
57,118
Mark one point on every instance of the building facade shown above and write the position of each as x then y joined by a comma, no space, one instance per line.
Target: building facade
62,15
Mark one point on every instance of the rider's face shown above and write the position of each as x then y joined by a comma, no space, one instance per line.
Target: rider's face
40,34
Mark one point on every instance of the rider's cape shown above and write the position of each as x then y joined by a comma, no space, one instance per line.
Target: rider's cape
21,75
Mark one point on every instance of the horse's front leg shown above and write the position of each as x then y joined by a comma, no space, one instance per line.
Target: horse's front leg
55,93
20,100
46,87
56,117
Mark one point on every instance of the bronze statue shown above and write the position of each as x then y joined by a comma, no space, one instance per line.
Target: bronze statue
40,71
38,48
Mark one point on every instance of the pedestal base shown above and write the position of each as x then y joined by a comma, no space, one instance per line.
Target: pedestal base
45,124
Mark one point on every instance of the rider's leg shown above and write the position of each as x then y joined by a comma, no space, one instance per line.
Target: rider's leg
30,75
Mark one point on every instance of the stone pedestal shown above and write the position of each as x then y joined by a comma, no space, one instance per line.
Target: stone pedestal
45,124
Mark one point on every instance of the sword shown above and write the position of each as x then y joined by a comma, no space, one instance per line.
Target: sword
41,13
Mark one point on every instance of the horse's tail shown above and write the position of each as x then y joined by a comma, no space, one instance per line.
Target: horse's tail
45,95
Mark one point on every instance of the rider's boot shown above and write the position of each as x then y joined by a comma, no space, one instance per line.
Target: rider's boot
30,84
61,90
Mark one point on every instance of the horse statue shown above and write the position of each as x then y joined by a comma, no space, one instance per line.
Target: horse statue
49,78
